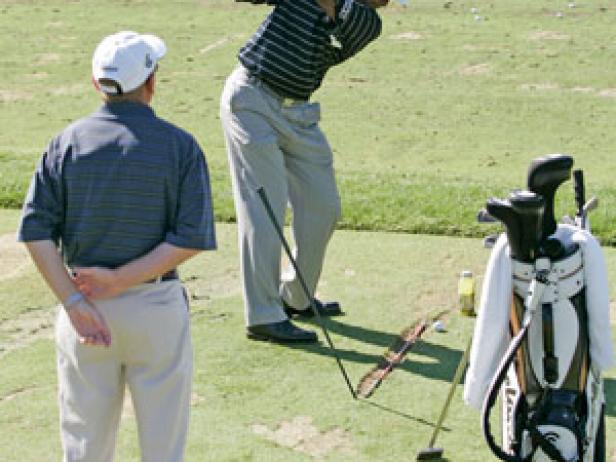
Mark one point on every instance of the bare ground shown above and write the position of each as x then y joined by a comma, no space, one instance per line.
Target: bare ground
301,435
26,329
15,259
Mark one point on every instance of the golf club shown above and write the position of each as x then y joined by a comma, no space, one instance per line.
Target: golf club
270,213
580,194
545,175
432,453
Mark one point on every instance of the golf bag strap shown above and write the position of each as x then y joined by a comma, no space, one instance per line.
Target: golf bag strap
536,291
490,400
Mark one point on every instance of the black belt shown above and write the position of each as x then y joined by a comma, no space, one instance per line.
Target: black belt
168,276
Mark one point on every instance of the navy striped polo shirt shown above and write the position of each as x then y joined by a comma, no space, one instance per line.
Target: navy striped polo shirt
114,185
297,43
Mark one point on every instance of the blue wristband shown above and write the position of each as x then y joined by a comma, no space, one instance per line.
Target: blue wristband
72,300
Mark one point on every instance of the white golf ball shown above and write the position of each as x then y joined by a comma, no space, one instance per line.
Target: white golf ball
438,326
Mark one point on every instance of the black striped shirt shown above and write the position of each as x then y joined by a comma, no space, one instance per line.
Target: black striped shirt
114,185
297,43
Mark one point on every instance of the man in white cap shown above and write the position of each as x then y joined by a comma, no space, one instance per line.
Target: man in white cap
119,200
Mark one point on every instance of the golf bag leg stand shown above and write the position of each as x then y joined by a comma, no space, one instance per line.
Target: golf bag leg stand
552,399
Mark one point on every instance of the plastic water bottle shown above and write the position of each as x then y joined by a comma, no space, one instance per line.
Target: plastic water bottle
466,293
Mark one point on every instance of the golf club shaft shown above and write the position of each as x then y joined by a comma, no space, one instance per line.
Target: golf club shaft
456,380
270,213
580,195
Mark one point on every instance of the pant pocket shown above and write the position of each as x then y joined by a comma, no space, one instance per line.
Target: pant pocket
304,115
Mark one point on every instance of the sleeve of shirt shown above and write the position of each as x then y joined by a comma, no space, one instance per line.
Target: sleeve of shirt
194,225
42,214
356,26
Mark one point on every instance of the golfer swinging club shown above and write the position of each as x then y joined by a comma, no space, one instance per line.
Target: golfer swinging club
274,141
125,196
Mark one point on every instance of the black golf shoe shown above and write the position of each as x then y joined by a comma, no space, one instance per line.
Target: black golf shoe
324,309
281,332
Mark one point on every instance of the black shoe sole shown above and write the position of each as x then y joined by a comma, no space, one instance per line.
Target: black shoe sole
267,338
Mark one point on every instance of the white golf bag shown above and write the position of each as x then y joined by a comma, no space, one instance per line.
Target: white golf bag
548,378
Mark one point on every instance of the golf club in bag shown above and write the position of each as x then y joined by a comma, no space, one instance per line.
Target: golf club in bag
550,386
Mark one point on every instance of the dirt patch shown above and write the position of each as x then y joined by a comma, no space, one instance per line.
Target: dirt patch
220,42
26,329
582,89
15,259
301,435
548,35
75,89
7,96
408,36
608,93
37,76
11,395
539,86
475,69
47,58
225,285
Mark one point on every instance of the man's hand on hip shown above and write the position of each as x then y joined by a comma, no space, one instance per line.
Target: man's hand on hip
97,283
89,324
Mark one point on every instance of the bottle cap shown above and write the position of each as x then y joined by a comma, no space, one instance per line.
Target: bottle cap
466,274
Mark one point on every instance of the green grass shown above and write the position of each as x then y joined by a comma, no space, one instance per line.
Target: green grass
439,114
425,126
385,281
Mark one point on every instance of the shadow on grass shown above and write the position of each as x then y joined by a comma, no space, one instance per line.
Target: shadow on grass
610,397
402,414
441,364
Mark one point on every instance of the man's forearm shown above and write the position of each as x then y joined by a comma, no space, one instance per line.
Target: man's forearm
49,262
157,262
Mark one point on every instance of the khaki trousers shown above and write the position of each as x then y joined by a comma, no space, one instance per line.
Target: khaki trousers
276,143
150,352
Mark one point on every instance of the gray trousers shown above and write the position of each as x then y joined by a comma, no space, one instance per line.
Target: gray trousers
151,353
276,143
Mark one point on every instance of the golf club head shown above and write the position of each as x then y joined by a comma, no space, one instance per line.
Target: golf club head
529,207
430,454
484,217
503,211
545,175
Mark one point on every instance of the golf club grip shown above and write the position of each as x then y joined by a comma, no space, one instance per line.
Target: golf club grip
578,186
270,213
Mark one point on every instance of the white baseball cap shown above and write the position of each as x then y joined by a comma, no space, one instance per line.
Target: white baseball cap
127,58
